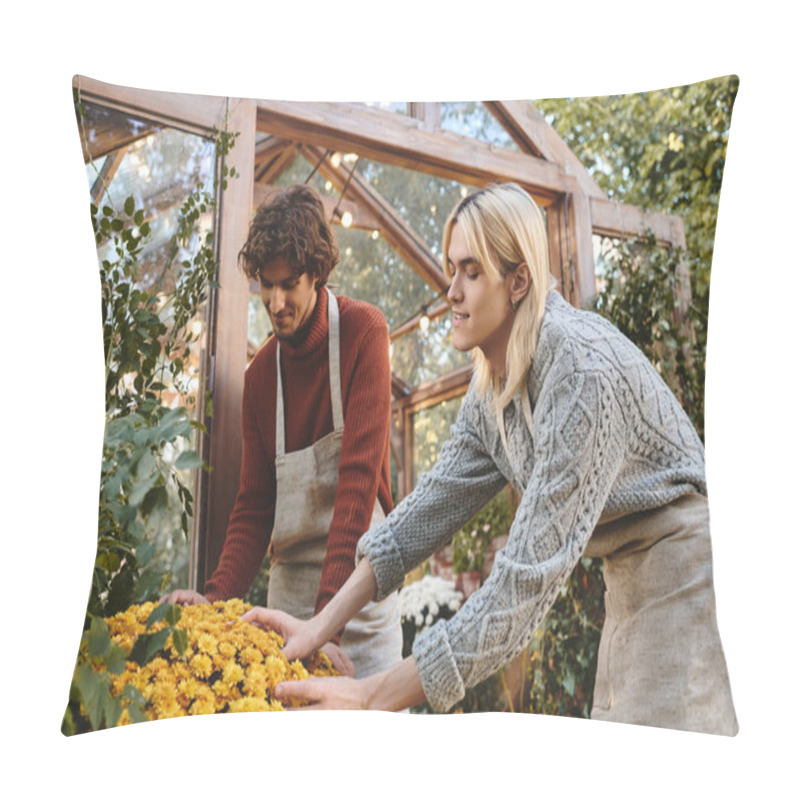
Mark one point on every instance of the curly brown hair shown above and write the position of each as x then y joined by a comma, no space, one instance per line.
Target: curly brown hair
291,224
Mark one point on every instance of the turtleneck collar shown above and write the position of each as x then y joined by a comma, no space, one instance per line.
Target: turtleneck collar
315,332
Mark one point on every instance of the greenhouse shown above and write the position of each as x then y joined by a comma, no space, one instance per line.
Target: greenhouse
174,182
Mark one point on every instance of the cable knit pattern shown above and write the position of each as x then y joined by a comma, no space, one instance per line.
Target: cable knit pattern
608,438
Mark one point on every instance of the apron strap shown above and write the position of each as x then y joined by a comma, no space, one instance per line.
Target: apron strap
333,362
335,380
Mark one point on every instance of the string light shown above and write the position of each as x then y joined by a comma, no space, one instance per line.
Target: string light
345,217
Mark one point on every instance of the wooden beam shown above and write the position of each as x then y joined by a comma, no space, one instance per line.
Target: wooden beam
560,250
402,141
229,345
267,149
270,163
534,134
400,388
106,174
429,114
397,443
437,391
580,221
435,311
191,112
407,433
407,242
108,140
624,221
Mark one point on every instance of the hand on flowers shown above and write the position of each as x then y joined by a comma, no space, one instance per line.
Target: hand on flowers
341,663
323,693
184,597
298,641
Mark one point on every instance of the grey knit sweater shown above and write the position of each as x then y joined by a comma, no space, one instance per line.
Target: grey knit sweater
608,437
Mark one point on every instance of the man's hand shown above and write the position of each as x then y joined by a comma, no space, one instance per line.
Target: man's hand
184,597
341,663
299,638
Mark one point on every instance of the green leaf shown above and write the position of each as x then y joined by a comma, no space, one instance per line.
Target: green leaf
157,614
113,711
180,639
188,459
94,690
174,614
145,552
116,659
148,645
156,498
99,639
129,206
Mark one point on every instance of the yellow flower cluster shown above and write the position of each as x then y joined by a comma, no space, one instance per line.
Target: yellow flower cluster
228,665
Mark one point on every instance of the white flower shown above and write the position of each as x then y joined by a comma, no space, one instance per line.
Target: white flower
424,599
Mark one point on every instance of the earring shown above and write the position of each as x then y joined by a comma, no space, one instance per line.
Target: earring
514,304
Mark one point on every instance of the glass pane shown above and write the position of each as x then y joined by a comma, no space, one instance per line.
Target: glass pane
397,108
423,201
160,172
259,328
369,269
431,431
298,172
473,119
419,357
160,169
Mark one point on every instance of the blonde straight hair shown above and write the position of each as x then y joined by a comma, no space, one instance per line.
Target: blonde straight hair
503,228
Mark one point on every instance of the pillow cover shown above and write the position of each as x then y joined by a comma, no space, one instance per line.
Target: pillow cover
629,185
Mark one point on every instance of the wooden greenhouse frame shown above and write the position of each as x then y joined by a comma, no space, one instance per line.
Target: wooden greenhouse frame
576,209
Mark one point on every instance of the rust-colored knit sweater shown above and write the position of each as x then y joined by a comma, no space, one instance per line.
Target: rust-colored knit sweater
364,467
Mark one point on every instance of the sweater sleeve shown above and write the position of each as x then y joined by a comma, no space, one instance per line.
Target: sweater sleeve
253,514
461,482
367,419
578,451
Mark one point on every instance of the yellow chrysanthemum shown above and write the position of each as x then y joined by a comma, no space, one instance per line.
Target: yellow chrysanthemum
201,665
228,664
250,704
232,673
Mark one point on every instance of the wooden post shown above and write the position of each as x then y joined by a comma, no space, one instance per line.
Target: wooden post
228,352
580,221
558,244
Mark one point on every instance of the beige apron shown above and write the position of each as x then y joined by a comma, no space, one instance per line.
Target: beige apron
660,660
306,482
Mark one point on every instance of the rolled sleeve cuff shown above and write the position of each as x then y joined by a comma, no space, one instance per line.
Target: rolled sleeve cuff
379,548
439,675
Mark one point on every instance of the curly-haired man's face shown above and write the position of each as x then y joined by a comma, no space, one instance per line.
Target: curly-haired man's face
289,299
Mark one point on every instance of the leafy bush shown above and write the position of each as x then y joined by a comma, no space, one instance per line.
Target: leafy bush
148,333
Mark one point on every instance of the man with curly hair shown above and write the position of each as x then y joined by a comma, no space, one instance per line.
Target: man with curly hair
316,415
